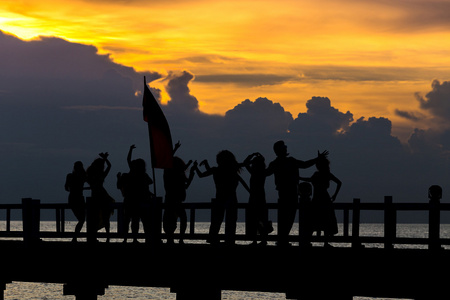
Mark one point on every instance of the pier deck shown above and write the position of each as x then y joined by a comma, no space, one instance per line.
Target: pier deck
201,271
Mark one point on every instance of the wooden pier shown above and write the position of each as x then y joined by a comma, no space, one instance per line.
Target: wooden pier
356,265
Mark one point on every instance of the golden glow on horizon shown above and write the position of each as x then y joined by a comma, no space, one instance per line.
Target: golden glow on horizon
369,57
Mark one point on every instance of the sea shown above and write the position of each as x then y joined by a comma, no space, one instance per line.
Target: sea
48,291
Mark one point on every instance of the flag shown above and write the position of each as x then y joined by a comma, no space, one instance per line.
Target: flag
159,132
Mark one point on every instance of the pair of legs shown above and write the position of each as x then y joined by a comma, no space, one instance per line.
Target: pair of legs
171,215
133,216
220,210
258,222
287,208
79,210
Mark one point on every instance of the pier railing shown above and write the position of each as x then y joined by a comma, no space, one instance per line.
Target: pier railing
350,213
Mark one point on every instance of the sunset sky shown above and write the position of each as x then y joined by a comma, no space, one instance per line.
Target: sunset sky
367,80
369,57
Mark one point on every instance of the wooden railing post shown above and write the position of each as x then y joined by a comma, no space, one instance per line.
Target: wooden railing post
58,220
8,219
63,220
355,223
30,220
346,221
390,223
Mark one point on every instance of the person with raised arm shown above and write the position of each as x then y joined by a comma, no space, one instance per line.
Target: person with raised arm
226,179
285,169
96,174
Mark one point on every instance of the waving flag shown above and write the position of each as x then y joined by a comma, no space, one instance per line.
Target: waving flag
158,130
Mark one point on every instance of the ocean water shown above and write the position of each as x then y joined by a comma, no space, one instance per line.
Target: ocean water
41,291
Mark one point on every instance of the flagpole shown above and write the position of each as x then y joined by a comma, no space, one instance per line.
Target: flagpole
151,147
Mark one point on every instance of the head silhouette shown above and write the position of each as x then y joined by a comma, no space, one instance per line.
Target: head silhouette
78,167
435,192
323,164
139,166
280,149
304,190
178,164
258,163
225,159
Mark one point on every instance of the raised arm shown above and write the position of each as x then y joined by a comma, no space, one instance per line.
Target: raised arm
130,153
188,164
248,161
108,163
208,172
309,163
175,148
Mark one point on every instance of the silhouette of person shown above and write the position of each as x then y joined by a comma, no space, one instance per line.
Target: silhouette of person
226,179
285,170
135,189
75,186
176,183
257,213
96,174
323,211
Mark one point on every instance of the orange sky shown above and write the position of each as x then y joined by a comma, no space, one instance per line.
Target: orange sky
369,57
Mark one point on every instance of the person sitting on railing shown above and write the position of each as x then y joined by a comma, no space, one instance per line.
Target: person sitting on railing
285,170
226,179
257,218
75,186
323,216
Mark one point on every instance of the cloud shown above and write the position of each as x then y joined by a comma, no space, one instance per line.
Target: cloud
179,92
413,116
437,101
254,124
320,119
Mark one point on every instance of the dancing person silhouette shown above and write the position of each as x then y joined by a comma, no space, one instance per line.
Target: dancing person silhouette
226,179
175,184
135,189
324,218
75,186
286,172
257,212
101,210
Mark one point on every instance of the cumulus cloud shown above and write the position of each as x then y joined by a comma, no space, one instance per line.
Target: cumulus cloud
437,101
178,90
321,118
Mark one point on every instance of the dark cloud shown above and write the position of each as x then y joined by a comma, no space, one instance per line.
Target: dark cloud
321,119
413,116
178,90
437,101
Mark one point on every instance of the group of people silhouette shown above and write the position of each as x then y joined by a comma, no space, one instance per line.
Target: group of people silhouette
317,216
